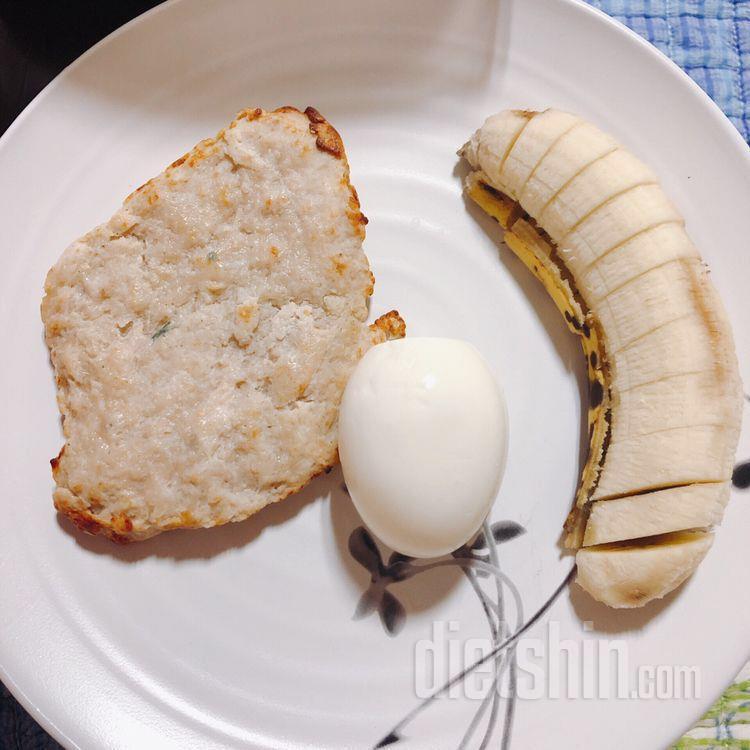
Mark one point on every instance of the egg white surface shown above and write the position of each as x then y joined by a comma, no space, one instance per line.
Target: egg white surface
423,435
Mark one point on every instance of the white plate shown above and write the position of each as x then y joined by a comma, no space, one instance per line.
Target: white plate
243,636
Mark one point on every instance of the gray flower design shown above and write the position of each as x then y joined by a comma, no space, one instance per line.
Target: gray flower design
477,560
377,597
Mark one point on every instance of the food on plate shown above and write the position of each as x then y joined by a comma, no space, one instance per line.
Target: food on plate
423,437
592,223
203,336
625,573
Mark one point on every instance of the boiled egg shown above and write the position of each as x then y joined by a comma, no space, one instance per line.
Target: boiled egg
423,435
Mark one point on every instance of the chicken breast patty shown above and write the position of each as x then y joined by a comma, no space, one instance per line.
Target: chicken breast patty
202,337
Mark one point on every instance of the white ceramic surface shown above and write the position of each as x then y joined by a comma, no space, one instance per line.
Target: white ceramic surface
243,636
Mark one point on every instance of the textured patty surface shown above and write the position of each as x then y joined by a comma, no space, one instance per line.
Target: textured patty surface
202,337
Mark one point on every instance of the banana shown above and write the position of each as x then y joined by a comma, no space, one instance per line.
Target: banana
679,401
695,343
614,222
539,135
673,457
654,513
648,249
575,150
614,174
657,297
627,575
591,222
500,136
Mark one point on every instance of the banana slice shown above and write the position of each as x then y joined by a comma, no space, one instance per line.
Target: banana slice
695,506
630,575
613,223
695,343
537,137
680,401
683,455
572,153
492,145
649,249
651,300
603,180
592,223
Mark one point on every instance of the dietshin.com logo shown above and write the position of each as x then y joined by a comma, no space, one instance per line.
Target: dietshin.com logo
548,666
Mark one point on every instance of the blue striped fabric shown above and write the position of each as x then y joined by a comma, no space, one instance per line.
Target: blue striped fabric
709,39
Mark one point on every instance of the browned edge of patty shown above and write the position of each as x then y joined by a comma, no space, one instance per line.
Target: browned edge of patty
120,529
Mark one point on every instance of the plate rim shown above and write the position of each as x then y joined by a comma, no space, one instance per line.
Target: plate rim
681,77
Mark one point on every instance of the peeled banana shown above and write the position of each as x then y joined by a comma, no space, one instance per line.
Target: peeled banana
630,574
592,223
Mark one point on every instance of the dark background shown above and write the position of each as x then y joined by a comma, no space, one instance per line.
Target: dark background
38,38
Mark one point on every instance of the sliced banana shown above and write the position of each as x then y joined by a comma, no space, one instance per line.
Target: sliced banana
613,223
570,155
698,398
592,223
651,300
695,506
630,575
538,136
654,247
682,455
694,343
493,143
615,173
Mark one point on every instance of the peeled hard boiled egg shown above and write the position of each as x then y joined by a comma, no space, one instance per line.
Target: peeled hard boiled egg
423,437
